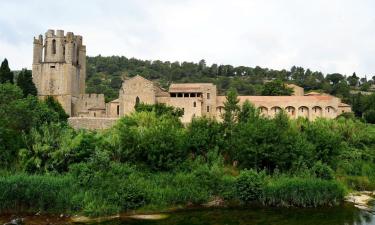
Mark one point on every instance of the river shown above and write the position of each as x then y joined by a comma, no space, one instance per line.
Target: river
342,215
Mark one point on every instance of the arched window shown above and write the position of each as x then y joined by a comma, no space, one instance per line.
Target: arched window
194,104
137,100
53,46
118,110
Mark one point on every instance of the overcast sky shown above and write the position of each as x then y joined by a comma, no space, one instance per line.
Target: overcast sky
325,35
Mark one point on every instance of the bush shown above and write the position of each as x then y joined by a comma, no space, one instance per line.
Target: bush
369,116
322,171
303,192
157,142
249,185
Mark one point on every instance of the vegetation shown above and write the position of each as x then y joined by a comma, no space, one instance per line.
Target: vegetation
150,161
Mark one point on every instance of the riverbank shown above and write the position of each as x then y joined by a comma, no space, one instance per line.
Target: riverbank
346,212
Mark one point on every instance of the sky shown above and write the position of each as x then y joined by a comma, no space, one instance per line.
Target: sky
323,35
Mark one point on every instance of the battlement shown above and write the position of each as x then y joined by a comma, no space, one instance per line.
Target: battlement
91,96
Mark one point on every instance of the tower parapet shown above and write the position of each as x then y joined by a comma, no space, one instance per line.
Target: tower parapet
59,67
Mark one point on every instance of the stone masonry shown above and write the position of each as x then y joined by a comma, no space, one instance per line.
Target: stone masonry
59,70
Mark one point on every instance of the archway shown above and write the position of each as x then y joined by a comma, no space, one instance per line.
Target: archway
263,111
316,112
303,111
291,111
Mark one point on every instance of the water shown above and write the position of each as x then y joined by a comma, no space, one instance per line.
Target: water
343,215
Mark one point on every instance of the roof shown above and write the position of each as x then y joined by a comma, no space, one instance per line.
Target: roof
313,93
277,99
344,105
189,87
117,100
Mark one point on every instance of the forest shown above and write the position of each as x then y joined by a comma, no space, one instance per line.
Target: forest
150,161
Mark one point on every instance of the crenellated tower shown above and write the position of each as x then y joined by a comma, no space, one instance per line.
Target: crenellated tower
59,67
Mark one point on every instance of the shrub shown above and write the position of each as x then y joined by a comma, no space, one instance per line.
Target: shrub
369,116
322,171
157,142
249,185
303,192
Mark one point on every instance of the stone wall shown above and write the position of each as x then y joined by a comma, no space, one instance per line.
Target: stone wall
91,123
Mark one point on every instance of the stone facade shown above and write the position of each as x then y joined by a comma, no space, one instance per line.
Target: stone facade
59,70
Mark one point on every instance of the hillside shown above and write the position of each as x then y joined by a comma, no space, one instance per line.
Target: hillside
105,74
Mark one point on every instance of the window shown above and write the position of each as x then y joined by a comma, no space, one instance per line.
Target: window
118,110
186,95
173,95
192,95
208,95
183,111
137,100
208,108
53,67
179,95
328,109
194,104
94,114
53,46
301,109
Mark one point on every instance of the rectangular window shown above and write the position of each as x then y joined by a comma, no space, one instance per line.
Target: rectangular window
173,95
208,95
192,95
208,109
186,95
183,111
179,95
52,67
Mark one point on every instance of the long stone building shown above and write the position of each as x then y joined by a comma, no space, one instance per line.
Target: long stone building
59,70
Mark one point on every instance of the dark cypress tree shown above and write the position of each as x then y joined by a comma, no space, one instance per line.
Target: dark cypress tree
56,106
25,82
5,74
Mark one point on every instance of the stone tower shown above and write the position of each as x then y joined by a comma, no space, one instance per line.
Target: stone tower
59,67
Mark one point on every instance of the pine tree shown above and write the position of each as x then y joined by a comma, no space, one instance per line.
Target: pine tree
5,74
25,82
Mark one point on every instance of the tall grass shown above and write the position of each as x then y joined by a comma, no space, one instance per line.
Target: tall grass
25,193
303,192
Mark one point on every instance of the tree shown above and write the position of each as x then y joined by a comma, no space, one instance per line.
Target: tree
56,106
25,82
335,78
369,116
276,88
156,142
231,108
353,80
5,74
248,113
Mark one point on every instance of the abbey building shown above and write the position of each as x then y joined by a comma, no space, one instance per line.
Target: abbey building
59,70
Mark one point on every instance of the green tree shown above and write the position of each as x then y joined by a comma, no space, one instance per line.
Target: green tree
25,82
5,74
369,116
248,112
158,142
276,88
231,108
56,106
353,80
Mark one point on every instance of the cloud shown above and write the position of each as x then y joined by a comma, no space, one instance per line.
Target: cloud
330,36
